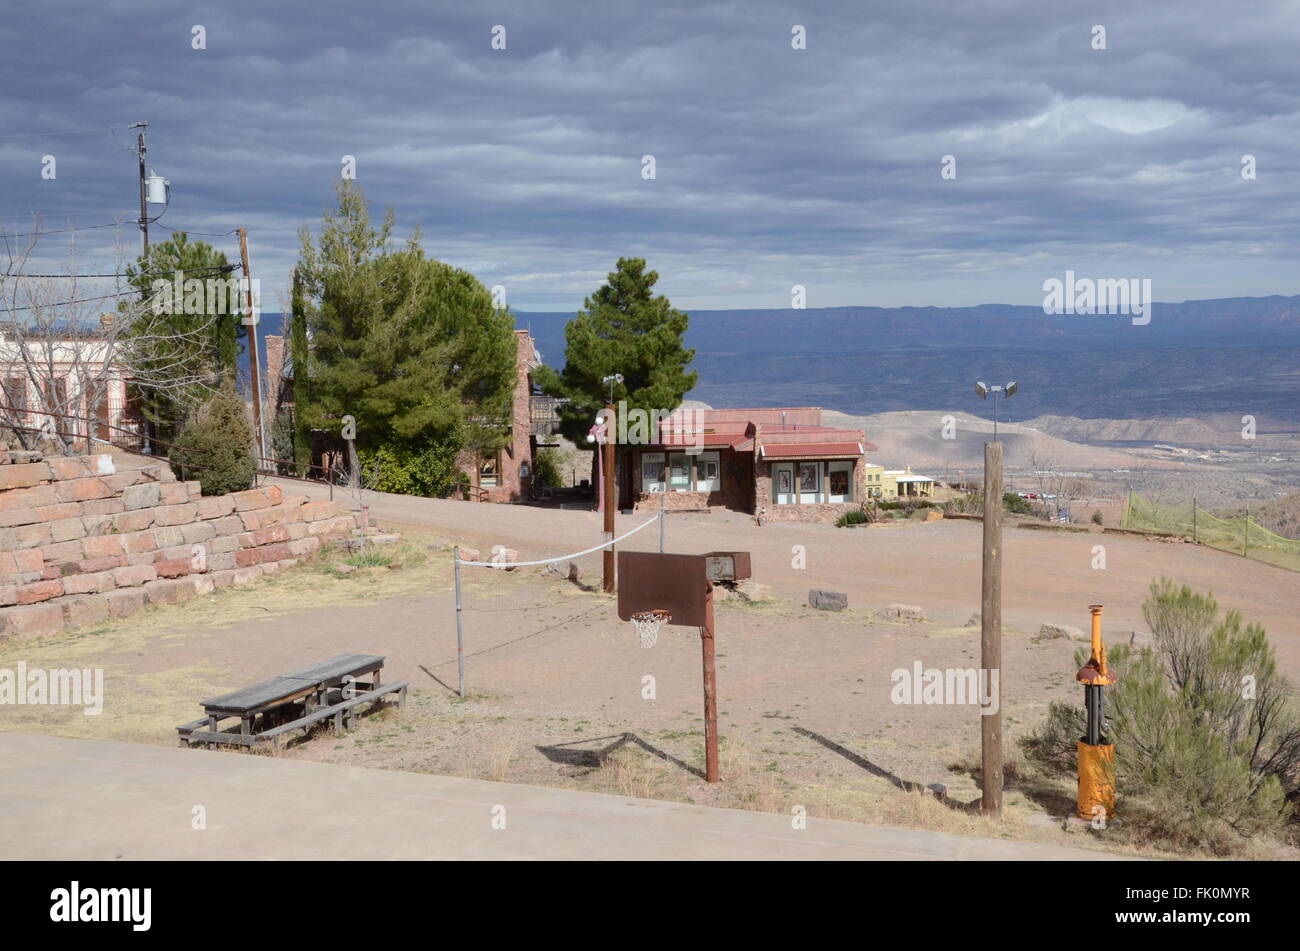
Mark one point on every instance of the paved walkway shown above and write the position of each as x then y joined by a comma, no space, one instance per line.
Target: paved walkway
95,799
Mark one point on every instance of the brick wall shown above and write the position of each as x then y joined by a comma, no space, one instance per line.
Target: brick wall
81,542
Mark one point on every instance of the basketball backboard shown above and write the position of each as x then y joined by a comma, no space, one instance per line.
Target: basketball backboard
649,581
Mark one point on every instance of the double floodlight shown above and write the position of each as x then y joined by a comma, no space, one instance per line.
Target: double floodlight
1008,391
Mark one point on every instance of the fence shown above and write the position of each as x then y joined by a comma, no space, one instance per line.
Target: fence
1241,535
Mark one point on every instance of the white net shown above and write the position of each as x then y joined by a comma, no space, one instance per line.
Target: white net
647,626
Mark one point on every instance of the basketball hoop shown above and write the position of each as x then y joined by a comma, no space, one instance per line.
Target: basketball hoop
647,624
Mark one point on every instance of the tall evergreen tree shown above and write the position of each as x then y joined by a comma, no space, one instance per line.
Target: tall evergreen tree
413,348
623,328
212,336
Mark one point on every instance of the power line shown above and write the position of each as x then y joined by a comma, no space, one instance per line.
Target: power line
35,234
183,270
100,128
206,234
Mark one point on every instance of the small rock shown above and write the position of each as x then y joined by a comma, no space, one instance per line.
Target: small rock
827,600
503,558
937,790
439,545
566,570
751,590
975,620
345,569
470,554
1057,631
905,612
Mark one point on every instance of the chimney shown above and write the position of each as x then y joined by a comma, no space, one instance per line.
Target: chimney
274,367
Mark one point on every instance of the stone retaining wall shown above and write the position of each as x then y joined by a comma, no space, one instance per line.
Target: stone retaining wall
81,542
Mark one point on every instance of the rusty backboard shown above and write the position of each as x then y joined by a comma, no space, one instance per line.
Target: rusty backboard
727,565
677,584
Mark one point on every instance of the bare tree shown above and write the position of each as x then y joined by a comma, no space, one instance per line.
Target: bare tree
68,345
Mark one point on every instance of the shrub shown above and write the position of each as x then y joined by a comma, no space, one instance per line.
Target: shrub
215,446
1096,518
546,467
1206,733
851,518
428,471
1015,504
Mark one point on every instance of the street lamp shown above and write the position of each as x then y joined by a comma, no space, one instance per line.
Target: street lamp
1008,391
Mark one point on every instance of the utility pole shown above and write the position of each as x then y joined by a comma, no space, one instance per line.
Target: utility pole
611,497
250,321
991,631
144,208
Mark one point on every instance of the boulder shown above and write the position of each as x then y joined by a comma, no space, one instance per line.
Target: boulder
1058,631
827,600
503,558
751,590
566,570
904,612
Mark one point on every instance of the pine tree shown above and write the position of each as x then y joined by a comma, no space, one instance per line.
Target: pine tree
623,328
412,348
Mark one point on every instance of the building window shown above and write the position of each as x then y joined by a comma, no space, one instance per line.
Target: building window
810,482
679,473
489,470
707,477
652,472
840,482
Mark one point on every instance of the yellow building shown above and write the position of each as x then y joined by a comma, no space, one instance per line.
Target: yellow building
874,481
903,483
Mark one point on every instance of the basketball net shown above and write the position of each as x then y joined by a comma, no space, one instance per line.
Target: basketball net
647,625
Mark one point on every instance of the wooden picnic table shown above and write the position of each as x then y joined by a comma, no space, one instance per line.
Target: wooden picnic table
299,699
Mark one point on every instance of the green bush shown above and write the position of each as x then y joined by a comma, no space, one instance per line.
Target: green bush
851,518
546,467
1015,504
216,445
1206,733
429,471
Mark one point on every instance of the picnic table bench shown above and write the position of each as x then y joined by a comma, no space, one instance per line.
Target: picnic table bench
297,700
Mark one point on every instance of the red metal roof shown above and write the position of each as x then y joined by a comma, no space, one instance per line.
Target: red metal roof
805,449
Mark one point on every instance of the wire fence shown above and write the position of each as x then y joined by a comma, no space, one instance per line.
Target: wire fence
1241,535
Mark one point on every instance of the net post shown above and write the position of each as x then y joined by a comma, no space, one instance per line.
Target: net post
662,520
460,643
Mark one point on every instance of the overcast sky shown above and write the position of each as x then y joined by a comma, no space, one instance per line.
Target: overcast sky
774,166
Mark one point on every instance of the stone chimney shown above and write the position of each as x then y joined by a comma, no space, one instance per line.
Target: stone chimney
274,368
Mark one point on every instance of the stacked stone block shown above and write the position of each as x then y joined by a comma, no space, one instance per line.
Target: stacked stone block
81,541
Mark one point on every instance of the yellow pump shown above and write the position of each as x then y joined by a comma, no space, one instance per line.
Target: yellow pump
1096,756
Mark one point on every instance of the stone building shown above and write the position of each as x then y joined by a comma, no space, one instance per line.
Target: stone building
779,464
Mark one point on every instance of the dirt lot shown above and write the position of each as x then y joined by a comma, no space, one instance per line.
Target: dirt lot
557,684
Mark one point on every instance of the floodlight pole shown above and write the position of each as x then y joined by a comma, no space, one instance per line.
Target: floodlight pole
991,632
710,692
610,497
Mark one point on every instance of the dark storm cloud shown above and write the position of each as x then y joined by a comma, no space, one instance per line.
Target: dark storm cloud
775,166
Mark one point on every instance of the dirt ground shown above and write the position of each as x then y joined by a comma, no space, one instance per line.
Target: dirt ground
557,685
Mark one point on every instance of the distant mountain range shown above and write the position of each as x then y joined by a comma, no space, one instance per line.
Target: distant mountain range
1235,356
1220,358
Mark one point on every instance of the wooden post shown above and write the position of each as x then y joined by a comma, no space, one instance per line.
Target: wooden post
251,323
991,630
710,693
611,496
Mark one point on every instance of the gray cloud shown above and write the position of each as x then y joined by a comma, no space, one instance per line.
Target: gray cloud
775,166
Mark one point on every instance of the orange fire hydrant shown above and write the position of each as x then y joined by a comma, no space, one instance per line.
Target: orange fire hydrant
1096,755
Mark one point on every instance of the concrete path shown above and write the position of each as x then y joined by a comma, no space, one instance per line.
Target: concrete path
95,799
